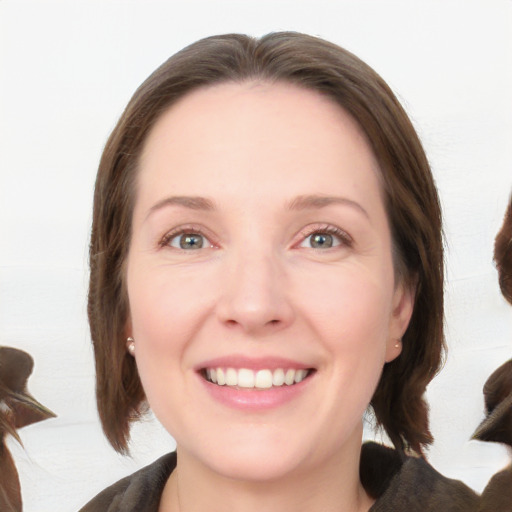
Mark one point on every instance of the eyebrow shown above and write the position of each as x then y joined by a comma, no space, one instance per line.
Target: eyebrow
190,202
303,202
317,201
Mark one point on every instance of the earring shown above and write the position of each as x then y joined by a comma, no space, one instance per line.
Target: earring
397,344
130,345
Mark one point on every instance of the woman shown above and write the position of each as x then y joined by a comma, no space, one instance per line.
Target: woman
266,263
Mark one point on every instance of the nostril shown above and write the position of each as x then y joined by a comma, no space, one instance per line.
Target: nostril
232,322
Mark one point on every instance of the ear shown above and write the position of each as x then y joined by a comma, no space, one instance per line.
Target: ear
402,308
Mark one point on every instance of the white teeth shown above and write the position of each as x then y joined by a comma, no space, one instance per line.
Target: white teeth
261,379
231,377
289,378
300,375
278,377
245,378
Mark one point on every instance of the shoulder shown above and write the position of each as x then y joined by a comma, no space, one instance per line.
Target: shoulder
139,492
411,484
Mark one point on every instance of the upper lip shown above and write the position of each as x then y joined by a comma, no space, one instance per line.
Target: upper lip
258,363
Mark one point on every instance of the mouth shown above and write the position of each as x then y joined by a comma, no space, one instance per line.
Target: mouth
245,378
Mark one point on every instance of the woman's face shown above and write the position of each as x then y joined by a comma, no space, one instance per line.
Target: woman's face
261,253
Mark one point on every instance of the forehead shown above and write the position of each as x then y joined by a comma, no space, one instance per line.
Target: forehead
276,133
250,105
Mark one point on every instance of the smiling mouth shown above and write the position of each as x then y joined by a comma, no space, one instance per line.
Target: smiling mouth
255,379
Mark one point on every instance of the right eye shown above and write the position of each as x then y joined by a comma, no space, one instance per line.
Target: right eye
188,241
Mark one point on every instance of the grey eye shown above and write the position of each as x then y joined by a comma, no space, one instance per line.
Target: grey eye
188,241
320,241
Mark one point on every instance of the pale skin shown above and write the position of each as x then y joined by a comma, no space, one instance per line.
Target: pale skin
260,235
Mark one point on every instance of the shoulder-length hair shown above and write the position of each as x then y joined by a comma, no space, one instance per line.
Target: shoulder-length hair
410,198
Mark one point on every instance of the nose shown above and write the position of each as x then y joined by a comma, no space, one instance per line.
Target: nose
255,294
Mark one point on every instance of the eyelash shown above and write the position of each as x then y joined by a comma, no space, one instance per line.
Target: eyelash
183,230
343,237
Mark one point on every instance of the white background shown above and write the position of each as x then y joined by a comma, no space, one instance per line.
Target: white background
66,71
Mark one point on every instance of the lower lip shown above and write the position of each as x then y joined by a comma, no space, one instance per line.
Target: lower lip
253,399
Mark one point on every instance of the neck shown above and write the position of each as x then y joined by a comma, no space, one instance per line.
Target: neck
332,486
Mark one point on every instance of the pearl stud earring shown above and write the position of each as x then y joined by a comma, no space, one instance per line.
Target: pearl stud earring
130,345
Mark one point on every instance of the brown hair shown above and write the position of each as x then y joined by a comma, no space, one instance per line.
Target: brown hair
503,254
410,194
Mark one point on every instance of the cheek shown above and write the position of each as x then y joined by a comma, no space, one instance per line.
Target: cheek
163,308
350,316
167,308
163,316
351,308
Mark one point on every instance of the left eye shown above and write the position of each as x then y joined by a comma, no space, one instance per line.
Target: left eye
321,240
189,241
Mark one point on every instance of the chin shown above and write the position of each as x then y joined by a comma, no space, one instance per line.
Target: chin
254,454
257,465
